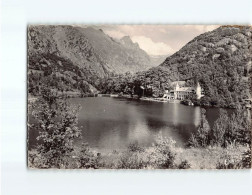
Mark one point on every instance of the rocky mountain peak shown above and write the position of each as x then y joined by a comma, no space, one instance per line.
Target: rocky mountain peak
127,42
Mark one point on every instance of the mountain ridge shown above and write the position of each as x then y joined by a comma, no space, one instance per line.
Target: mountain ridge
88,53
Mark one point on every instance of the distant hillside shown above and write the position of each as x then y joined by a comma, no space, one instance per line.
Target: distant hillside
74,58
157,59
220,60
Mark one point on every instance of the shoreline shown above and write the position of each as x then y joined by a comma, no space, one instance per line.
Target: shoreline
31,98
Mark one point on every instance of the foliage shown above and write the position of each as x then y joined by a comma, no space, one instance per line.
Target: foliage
58,74
87,159
246,159
184,165
131,160
230,162
233,129
161,155
219,61
226,130
56,123
202,137
220,128
135,147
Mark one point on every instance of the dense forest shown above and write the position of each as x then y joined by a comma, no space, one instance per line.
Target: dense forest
219,60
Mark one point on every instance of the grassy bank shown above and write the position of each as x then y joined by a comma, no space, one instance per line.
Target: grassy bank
163,154
210,157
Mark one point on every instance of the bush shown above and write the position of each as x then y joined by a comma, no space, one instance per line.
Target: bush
56,123
226,130
231,162
161,155
220,128
202,136
134,147
184,165
88,159
246,159
131,160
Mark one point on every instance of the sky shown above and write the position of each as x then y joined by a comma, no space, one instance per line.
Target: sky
158,39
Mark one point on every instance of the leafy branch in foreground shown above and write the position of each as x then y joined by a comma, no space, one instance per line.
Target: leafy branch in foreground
56,123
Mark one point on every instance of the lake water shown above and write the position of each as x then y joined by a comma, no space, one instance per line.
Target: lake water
114,123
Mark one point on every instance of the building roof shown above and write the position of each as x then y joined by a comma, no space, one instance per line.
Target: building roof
180,83
186,89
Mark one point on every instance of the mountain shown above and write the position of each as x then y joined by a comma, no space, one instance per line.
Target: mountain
157,59
152,60
77,59
220,60
120,56
73,57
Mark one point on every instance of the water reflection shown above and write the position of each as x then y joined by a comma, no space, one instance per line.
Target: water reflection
197,116
113,123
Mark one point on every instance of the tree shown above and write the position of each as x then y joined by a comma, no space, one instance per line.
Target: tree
202,137
220,128
56,122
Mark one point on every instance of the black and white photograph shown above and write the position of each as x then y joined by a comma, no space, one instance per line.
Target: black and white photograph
125,97
139,96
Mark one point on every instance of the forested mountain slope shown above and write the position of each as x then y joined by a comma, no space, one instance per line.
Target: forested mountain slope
220,60
75,58
86,59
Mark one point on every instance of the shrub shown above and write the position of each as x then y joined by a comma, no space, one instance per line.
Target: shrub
88,159
131,160
231,162
226,130
134,147
56,123
202,136
234,129
220,128
246,159
184,165
162,155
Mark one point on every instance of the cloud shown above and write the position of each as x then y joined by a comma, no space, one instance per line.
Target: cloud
115,34
158,39
205,28
152,48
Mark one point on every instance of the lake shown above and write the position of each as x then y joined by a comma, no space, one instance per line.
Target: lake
114,123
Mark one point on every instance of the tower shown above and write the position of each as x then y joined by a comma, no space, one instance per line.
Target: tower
198,91
176,89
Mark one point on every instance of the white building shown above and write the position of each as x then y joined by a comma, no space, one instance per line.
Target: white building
180,92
